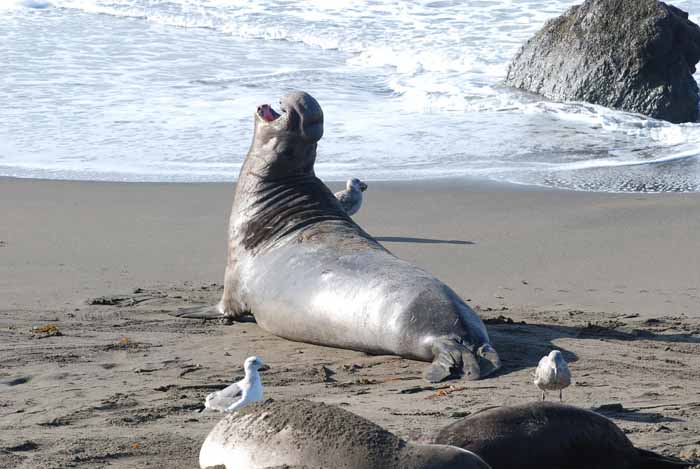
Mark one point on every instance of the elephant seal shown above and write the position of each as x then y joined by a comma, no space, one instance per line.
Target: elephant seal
316,435
549,435
307,272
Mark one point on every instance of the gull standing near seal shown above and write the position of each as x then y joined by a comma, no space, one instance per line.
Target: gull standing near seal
315,435
552,373
551,436
351,197
309,273
241,393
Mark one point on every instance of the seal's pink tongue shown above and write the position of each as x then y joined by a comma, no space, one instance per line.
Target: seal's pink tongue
267,114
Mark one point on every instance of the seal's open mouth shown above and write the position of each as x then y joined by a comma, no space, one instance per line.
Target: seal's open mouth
267,114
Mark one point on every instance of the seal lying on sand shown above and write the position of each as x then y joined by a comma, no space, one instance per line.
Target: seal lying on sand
549,435
308,273
316,435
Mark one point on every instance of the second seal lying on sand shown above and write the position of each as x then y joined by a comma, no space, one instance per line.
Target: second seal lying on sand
548,435
307,272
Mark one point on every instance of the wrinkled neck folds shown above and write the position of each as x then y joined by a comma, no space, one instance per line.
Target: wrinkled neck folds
278,207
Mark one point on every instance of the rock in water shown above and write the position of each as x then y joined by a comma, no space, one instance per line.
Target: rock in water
633,55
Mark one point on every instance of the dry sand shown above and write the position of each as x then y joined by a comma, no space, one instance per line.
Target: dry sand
612,280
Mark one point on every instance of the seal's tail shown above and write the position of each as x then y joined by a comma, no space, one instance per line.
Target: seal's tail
652,460
198,312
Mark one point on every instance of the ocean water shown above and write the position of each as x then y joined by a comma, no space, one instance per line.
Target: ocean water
151,90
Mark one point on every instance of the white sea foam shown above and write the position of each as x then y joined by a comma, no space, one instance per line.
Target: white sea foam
165,90
16,4
616,163
423,38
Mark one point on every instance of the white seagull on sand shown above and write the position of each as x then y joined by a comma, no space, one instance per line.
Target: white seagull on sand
552,373
242,393
351,197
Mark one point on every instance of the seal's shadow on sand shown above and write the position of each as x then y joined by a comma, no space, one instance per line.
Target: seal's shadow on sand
635,415
405,239
521,345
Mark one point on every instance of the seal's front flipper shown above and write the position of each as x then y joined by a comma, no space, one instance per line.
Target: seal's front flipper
488,358
438,371
205,312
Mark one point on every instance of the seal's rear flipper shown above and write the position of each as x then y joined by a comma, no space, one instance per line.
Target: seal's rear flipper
205,312
651,460
489,361
437,372
452,359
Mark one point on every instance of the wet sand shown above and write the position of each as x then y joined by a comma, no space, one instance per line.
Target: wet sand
612,280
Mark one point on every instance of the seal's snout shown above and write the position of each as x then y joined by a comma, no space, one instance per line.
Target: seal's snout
363,186
305,115
266,113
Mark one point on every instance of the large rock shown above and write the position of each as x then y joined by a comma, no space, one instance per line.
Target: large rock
635,55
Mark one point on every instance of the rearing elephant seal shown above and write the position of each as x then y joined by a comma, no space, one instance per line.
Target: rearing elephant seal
315,435
308,273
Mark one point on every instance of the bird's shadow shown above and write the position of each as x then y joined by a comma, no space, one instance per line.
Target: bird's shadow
16,381
406,239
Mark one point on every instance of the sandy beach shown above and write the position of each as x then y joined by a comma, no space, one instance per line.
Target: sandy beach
613,280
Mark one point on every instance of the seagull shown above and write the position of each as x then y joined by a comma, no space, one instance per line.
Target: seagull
351,197
242,393
552,373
